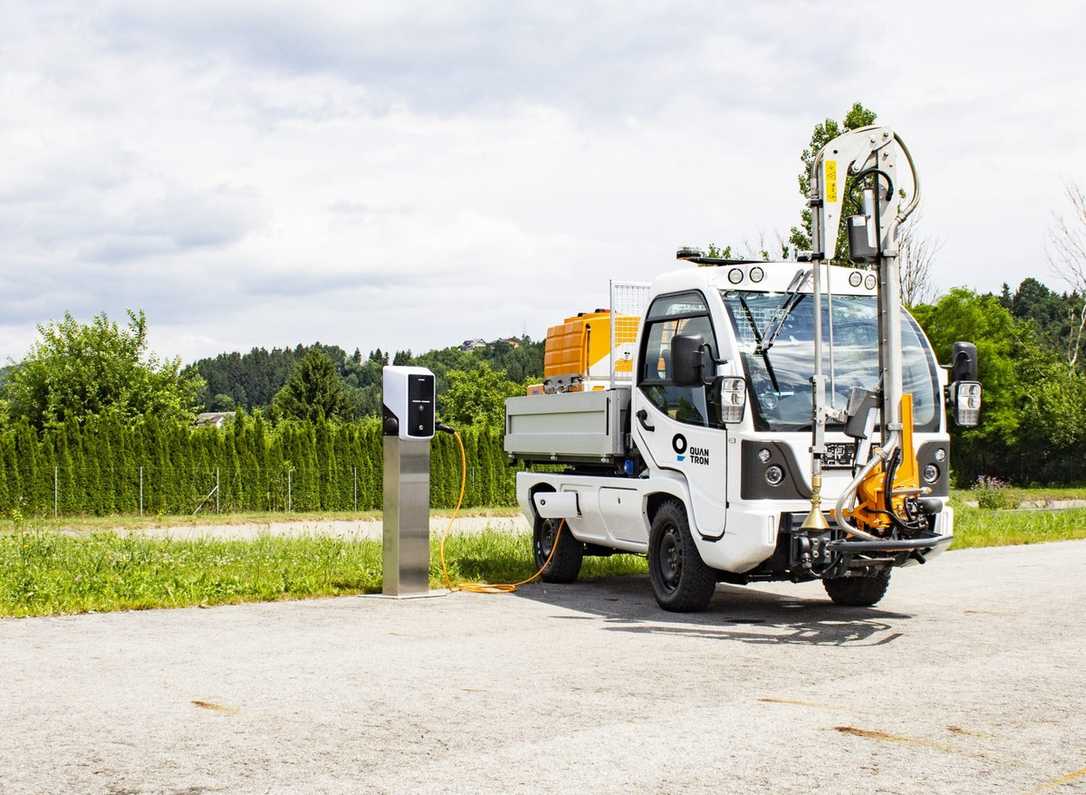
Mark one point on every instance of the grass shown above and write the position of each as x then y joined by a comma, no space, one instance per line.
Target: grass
44,572
49,573
975,527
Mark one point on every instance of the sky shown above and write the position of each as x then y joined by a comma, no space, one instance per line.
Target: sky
407,175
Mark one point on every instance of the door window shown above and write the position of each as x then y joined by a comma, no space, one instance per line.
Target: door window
685,313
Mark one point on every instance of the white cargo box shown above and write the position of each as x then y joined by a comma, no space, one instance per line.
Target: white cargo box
574,426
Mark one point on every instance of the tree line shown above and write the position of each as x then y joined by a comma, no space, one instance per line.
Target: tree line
253,380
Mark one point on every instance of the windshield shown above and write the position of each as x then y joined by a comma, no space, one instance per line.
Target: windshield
780,377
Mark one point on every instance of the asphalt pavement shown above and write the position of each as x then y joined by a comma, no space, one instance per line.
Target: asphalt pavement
969,677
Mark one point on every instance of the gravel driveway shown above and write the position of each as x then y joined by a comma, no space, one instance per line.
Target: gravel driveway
339,528
968,678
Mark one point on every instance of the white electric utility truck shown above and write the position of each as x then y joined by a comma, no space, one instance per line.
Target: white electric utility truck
759,389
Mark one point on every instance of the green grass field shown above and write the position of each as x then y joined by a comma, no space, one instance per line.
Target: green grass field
975,527
45,572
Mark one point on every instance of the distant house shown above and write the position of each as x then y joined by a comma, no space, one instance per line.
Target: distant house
471,345
213,419
513,342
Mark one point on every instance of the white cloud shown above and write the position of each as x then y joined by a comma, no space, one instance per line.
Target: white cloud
409,175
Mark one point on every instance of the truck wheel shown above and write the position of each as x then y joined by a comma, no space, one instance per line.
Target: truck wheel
566,562
680,579
858,591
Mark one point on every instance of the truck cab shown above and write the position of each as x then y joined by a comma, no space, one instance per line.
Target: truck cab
708,477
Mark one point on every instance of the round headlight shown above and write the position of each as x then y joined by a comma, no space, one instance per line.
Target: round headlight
764,455
756,274
735,276
774,475
930,473
855,278
940,455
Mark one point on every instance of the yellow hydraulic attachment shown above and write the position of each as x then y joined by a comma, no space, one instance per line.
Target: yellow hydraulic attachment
871,514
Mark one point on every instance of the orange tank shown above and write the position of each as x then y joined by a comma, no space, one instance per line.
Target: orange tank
578,352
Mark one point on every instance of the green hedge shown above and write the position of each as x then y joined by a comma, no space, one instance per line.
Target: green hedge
327,466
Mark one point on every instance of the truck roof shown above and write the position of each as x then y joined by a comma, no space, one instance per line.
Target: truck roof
766,277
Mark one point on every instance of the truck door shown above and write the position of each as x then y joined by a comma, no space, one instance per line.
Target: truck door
678,427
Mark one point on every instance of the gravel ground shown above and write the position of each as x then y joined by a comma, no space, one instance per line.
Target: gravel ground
369,528
968,678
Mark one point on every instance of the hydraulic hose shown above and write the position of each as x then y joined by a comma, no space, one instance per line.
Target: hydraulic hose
850,492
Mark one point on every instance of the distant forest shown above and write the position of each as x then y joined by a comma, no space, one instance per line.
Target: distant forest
251,380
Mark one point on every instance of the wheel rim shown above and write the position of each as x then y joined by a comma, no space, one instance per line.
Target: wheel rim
545,541
669,558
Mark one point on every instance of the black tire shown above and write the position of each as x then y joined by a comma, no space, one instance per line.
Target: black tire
565,564
858,591
681,581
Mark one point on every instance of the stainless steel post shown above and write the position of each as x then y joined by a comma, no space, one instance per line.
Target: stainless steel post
890,345
406,540
815,520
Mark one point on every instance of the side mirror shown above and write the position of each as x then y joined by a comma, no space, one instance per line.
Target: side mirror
963,365
708,365
686,359
964,391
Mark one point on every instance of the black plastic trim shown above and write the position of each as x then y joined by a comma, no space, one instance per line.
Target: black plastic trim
926,455
753,484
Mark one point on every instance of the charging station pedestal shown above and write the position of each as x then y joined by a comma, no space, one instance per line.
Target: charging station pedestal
406,532
408,425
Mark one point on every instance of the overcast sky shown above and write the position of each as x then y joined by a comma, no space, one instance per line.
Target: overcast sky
408,175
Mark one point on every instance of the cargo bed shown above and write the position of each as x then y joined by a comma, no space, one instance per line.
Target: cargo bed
570,426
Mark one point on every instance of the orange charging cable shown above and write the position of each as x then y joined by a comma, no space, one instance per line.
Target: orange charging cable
482,587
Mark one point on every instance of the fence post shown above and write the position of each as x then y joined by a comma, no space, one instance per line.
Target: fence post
355,472
216,490
56,490
141,489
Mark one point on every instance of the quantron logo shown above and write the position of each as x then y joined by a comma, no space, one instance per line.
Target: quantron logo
678,444
695,455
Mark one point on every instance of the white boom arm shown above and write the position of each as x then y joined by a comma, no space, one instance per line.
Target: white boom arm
868,151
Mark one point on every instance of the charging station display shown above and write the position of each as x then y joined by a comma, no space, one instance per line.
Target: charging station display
408,402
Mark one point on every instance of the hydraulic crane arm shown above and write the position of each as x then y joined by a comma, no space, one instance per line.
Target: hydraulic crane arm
869,154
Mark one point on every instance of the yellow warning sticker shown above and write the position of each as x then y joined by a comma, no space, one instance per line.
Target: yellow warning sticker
831,181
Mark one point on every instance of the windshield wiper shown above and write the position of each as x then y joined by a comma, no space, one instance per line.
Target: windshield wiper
777,323
760,349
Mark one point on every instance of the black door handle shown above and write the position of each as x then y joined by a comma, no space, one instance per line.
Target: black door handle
642,415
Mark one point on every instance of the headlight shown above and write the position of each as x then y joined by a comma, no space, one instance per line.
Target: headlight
764,455
733,398
930,473
774,475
